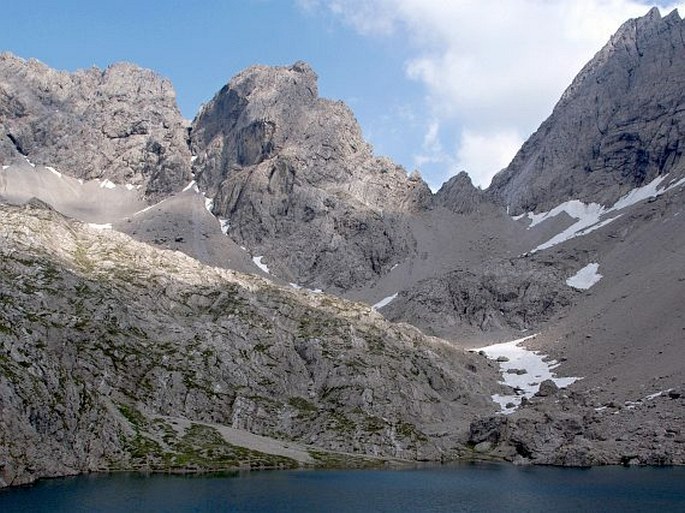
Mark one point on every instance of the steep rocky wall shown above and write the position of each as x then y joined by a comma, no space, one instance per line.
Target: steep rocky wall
506,296
297,182
120,124
620,124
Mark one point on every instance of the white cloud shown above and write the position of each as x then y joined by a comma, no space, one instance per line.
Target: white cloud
483,154
492,69
433,155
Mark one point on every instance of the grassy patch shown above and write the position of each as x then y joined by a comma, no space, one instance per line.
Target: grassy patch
338,460
302,405
134,417
201,448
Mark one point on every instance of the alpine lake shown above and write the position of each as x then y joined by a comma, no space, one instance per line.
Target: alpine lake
454,488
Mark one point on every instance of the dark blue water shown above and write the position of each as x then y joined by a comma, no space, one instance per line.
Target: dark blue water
467,488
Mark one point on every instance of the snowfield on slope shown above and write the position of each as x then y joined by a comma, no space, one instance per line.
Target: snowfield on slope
588,216
585,278
385,301
523,370
258,262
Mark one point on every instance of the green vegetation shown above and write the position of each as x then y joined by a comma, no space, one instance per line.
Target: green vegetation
340,460
5,329
82,259
304,406
134,417
341,423
156,445
316,324
406,430
9,370
204,447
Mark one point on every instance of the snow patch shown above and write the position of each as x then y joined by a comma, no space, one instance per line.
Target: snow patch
574,208
384,302
585,278
148,208
641,193
107,184
53,171
5,167
588,215
657,394
585,216
225,225
596,226
300,287
258,262
106,226
523,370
631,405
209,204
130,187
189,186
29,162
193,158
673,185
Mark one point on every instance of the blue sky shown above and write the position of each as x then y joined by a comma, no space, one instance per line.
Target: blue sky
440,85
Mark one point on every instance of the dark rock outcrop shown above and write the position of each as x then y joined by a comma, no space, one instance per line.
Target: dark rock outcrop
297,183
120,124
460,196
611,131
570,430
515,294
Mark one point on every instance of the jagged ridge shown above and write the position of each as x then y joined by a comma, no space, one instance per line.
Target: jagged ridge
120,124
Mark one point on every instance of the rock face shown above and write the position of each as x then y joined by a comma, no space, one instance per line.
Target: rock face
104,339
297,183
510,295
120,124
610,132
460,195
572,430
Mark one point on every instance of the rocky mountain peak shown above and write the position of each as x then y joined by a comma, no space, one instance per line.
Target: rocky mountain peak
267,110
120,124
459,194
295,180
611,131
299,80
118,78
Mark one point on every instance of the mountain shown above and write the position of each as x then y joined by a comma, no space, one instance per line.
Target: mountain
172,296
602,183
618,126
116,355
612,140
121,124
295,181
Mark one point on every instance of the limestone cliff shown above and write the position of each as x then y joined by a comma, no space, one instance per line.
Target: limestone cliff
296,181
120,124
620,124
